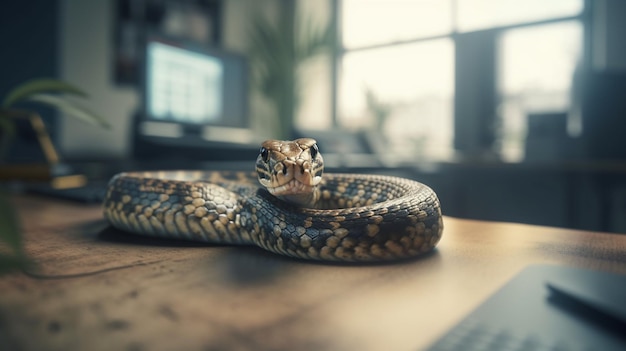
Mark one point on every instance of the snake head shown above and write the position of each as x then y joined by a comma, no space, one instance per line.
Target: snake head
291,170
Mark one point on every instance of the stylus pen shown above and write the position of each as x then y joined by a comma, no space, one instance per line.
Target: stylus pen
586,309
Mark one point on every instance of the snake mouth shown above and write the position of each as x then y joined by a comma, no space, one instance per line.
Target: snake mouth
292,187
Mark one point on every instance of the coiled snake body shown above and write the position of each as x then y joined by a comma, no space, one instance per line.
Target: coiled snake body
340,217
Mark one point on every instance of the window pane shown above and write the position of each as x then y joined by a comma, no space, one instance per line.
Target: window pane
482,14
368,22
410,89
536,69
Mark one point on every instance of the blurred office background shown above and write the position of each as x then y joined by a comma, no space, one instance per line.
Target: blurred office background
511,110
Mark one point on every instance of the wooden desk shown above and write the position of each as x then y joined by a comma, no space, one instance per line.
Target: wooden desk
97,289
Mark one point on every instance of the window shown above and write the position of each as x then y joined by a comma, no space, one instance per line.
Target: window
371,22
405,91
397,66
484,14
535,74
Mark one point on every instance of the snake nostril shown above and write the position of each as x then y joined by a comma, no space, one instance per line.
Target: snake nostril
284,170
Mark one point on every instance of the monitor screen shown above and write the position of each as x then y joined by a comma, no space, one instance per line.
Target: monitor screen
194,92
183,85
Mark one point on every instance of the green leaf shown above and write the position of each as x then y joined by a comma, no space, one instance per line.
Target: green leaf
36,86
278,49
7,134
313,39
9,226
12,255
12,263
7,126
70,108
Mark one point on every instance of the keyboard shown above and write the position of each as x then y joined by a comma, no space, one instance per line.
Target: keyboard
91,193
526,315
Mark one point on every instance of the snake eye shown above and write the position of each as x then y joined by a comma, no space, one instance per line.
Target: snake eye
314,151
265,154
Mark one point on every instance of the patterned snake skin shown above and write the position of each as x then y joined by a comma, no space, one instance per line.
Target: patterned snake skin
340,217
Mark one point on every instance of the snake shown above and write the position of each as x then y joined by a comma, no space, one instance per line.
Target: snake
287,205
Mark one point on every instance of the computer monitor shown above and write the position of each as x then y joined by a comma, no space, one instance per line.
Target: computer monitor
193,94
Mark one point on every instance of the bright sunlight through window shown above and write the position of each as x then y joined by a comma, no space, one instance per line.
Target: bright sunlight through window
537,65
483,14
396,71
405,90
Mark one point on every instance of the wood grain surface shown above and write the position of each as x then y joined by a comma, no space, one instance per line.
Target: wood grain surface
96,288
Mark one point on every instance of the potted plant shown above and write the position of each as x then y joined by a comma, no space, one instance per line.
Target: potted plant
50,92
278,49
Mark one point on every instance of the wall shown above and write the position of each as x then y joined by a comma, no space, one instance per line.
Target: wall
28,32
86,50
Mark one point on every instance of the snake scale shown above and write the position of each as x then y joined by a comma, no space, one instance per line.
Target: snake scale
296,212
